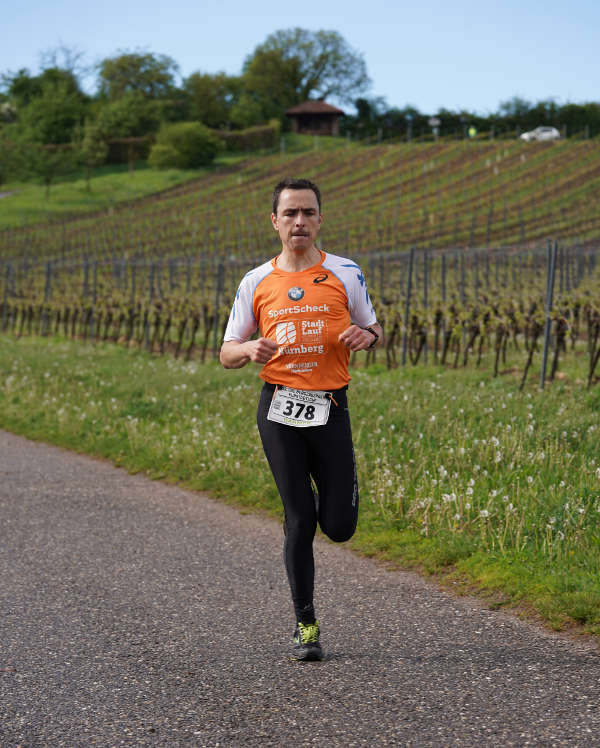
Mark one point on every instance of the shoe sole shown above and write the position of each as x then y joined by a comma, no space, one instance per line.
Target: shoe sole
309,655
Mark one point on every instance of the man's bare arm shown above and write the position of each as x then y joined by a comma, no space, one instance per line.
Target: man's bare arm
234,354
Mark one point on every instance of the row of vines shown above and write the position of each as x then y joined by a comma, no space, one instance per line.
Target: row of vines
377,199
452,307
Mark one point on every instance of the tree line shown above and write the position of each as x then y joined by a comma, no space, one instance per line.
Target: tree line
47,120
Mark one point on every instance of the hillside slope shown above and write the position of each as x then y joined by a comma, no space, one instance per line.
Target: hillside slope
380,198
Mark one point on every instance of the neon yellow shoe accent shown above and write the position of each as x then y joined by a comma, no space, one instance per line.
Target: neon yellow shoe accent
308,633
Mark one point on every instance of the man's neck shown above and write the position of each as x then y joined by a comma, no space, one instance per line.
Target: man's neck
293,261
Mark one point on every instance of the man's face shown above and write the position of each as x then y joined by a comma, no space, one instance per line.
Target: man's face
298,219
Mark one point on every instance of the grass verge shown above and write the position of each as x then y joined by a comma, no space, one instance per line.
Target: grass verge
461,475
26,202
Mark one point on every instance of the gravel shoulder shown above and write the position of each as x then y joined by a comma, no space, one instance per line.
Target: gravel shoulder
134,612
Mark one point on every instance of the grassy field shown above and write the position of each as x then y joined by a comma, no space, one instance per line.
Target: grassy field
461,475
26,203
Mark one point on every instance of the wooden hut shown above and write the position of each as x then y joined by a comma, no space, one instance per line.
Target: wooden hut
315,118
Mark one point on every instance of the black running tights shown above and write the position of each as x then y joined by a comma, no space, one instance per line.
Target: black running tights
295,455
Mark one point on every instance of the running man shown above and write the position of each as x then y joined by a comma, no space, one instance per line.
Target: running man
311,309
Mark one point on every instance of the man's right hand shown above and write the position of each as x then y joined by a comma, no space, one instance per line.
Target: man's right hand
234,355
262,350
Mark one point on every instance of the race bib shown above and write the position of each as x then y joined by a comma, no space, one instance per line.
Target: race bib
299,407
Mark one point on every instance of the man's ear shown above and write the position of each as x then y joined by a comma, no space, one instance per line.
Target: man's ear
274,221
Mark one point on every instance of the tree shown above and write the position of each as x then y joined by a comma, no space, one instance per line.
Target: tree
11,160
145,73
211,97
46,107
132,115
294,65
247,111
91,149
49,161
515,108
22,88
68,59
52,116
272,84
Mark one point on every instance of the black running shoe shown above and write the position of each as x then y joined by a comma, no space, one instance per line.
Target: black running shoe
306,642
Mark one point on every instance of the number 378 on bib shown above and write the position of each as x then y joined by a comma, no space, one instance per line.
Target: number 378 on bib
299,407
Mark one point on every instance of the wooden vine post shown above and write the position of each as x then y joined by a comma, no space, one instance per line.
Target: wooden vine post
411,258
552,251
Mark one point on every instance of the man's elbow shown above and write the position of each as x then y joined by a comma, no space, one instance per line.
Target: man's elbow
224,359
230,356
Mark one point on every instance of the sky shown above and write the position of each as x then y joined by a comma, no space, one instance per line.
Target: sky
460,54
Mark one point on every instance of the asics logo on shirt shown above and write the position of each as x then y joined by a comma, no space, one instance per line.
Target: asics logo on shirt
321,278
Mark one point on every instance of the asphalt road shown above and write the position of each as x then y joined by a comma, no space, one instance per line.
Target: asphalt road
136,613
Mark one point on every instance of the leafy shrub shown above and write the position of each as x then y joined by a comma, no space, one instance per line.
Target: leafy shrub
252,138
162,156
184,145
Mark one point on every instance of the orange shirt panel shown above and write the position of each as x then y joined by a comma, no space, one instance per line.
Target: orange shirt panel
304,313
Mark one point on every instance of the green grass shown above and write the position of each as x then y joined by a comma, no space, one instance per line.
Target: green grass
461,475
27,202
109,185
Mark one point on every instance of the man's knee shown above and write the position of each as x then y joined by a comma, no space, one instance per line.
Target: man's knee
338,532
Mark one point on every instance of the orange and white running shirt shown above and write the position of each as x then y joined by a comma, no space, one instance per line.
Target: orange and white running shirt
304,313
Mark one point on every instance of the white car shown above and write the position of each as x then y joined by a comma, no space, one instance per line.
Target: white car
541,133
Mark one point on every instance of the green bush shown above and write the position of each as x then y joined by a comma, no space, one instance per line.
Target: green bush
162,156
184,145
252,138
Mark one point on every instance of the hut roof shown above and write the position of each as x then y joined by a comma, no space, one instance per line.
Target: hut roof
314,107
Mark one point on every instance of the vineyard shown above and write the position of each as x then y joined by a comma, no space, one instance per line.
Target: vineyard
161,272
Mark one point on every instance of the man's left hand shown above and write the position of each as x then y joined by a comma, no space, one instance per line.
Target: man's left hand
356,338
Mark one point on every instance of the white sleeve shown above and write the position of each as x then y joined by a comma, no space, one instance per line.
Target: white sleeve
359,301
242,322
351,276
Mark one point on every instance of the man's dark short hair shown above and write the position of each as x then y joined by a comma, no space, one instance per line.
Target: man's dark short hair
289,183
